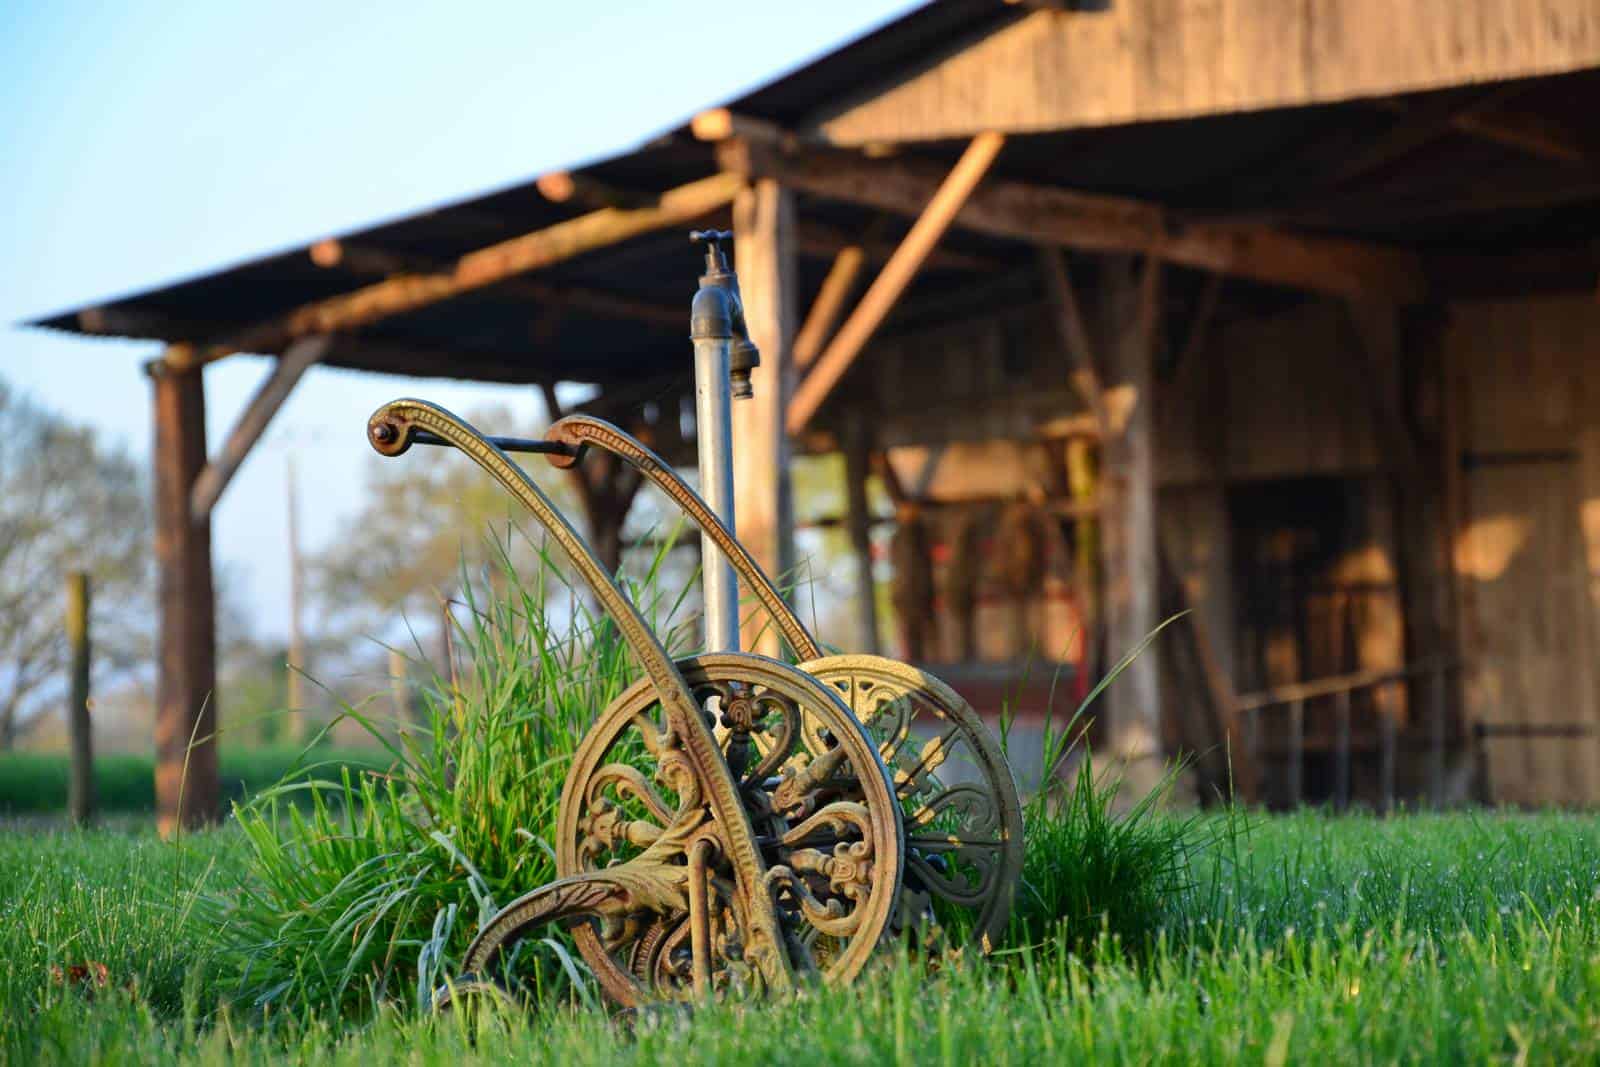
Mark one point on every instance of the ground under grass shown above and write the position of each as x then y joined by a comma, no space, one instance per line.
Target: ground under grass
1437,939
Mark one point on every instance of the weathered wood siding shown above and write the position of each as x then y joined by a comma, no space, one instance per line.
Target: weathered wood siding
1528,551
1163,59
1282,398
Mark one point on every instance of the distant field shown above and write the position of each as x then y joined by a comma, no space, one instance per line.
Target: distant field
1427,939
36,783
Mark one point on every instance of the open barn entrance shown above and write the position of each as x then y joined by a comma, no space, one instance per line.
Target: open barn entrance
1317,598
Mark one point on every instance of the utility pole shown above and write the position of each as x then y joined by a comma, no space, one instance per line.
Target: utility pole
297,648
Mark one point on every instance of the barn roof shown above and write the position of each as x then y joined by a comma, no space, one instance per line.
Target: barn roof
620,312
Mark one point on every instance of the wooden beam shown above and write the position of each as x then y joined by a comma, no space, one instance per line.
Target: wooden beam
364,259
1532,134
1084,373
1490,120
942,205
1096,223
488,266
891,479
187,784
286,371
823,240
721,124
764,256
1415,127
817,238
1452,196
828,305
565,186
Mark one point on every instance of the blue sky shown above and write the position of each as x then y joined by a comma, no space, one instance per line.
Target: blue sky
140,143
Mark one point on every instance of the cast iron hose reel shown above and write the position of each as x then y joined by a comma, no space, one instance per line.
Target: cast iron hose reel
730,821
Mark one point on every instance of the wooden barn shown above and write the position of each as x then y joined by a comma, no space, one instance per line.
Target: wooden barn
1275,313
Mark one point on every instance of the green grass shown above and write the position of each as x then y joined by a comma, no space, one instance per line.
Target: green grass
313,927
1434,939
35,783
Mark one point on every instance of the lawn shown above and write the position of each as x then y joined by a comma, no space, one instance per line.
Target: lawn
1422,938
35,783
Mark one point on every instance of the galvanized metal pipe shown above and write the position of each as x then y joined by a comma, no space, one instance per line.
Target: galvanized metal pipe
713,402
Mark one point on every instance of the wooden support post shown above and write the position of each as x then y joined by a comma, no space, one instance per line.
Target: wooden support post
895,278
1389,740
1130,560
765,258
1297,752
1415,428
1074,335
856,466
187,787
1436,733
253,422
80,785
1341,784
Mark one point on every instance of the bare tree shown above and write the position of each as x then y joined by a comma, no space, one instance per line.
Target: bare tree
67,503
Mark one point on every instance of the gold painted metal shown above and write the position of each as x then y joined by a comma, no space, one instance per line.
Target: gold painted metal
698,862
825,816
960,800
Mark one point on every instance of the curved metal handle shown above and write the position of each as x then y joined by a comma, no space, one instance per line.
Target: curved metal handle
579,431
393,428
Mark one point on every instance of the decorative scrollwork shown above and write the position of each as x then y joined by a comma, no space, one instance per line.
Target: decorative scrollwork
829,829
962,814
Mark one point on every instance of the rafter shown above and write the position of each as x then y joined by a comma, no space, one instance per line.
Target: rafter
828,305
487,266
943,204
356,258
1093,222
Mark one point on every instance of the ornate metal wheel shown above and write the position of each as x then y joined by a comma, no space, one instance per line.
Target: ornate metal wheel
963,819
638,856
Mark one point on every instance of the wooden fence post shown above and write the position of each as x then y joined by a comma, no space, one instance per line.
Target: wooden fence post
399,686
80,786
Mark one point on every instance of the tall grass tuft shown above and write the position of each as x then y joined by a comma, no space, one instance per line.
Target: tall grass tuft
1100,868
365,889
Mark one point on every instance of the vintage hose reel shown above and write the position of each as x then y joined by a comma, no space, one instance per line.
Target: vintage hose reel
731,821
726,822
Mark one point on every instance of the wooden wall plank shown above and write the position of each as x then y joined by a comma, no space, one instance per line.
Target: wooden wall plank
1164,59
1523,556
